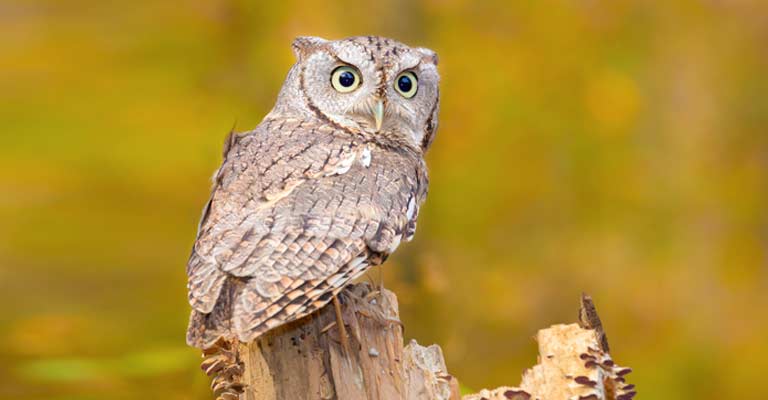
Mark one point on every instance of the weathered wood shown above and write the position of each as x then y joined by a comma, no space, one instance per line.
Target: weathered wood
571,366
306,360
574,364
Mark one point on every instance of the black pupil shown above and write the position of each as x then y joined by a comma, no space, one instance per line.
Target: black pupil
405,84
346,79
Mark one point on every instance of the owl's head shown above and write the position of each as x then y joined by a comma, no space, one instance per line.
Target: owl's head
368,84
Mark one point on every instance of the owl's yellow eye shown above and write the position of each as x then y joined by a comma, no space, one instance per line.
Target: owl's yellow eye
345,79
407,84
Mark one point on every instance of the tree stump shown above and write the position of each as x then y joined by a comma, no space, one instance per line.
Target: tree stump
307,360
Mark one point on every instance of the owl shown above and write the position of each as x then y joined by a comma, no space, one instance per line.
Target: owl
326,186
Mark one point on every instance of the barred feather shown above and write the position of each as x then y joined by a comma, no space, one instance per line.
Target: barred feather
290,223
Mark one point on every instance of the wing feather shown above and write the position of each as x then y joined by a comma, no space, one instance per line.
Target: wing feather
293,217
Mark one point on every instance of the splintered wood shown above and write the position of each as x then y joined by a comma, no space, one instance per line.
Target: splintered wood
306,360
574,364
571,366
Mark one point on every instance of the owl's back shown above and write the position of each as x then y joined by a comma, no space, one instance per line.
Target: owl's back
299,208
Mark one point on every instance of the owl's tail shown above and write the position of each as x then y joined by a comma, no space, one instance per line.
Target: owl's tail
241,314
205,329
255,315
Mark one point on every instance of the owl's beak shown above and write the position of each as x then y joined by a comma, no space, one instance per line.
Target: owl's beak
378,113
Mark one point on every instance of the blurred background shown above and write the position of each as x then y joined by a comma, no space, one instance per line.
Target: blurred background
612,147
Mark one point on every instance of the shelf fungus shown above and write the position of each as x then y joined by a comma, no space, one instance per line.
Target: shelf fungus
307,357
222,363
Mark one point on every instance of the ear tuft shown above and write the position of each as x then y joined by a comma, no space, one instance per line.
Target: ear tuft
428,55
304,45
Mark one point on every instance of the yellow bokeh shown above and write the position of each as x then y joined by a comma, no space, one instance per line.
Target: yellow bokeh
612,100
617,148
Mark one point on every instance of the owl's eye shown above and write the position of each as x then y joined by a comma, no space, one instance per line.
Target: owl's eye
345,79
406,84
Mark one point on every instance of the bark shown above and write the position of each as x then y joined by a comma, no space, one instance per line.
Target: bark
307,359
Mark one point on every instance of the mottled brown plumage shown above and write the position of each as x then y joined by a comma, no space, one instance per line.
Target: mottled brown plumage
316,194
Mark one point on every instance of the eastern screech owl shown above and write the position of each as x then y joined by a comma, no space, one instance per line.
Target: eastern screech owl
328,184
